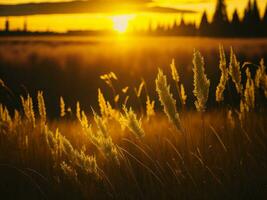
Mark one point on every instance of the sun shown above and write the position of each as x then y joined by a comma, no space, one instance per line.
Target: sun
121,23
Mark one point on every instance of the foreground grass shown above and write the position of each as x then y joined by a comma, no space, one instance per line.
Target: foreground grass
165,164
122,154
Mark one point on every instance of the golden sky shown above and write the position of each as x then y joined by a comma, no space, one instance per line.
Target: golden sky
109,20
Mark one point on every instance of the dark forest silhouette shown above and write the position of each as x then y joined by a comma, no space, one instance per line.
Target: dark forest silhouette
251,25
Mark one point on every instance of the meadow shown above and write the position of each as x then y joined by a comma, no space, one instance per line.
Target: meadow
71,66
131,121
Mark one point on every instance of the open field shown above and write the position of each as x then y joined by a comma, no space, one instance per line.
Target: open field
71,66
77,121
163,165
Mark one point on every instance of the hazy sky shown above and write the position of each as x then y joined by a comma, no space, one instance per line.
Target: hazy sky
102,19
193,4
236,2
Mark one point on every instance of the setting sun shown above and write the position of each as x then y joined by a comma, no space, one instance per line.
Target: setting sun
133,99
121,23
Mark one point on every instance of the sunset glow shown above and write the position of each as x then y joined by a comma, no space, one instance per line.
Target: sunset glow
121,22
101,16
133,99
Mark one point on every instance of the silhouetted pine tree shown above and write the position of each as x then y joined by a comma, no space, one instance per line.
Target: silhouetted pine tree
175,28
220,23
247,20
182,27
255,12
264,21
182,22
204,25
220,15
247,14
235,20
265,15
256,20
252,21
235,24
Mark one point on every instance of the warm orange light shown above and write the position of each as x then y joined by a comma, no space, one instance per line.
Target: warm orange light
121,23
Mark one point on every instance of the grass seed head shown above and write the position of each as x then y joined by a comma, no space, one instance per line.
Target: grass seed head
201,83
235,72
249,92
167,100
41,107
62,107
224,76
149,108
175,74
129,119
183,95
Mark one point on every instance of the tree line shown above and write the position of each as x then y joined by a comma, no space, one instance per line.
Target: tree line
250,25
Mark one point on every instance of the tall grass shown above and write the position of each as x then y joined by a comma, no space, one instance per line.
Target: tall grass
124,154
